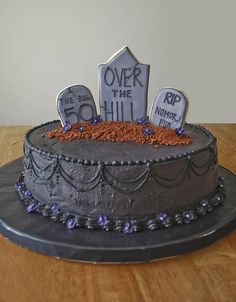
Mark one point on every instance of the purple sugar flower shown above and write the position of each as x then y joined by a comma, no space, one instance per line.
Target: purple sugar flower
18,187
189,216
204,203
128,228
179,131
141,121
96,120
81,129
27,194
66,127
161,216
147,131
31,207
71,223
102,219
54,208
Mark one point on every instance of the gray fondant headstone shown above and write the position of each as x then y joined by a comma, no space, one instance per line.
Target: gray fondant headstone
169,108
76,104
123,86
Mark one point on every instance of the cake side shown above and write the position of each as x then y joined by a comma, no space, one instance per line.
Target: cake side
122,190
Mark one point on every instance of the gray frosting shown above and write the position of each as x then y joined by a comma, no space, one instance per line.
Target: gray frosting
179,181
114,151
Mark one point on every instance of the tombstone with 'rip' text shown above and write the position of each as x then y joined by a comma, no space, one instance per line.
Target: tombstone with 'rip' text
169,108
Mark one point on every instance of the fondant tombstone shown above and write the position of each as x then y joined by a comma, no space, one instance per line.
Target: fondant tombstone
123,86
169,108
76,104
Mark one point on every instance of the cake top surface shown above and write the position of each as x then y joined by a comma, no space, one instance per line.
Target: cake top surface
142,132
93,150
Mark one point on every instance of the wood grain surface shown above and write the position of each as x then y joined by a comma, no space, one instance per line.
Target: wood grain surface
208,274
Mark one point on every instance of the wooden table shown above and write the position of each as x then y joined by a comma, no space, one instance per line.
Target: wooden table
208,274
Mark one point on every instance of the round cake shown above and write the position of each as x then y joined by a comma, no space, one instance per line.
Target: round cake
120,186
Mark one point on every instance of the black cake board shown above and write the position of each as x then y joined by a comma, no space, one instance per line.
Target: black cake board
42,235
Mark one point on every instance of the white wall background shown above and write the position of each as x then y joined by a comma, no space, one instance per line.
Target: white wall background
47,45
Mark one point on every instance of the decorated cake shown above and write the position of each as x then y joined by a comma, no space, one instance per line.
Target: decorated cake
120,171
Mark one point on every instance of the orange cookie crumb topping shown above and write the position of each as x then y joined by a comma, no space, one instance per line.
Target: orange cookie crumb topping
121,132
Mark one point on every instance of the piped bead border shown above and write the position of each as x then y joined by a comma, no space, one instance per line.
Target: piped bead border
160,220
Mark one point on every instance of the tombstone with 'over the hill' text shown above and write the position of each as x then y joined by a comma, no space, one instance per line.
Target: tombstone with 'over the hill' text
123,86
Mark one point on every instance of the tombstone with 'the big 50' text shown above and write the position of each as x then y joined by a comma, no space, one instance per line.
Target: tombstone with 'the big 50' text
75,104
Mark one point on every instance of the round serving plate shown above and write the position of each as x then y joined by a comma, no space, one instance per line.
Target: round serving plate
42,235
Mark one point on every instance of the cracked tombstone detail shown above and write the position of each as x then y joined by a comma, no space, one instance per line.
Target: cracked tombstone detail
75,104
123,86
169,108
